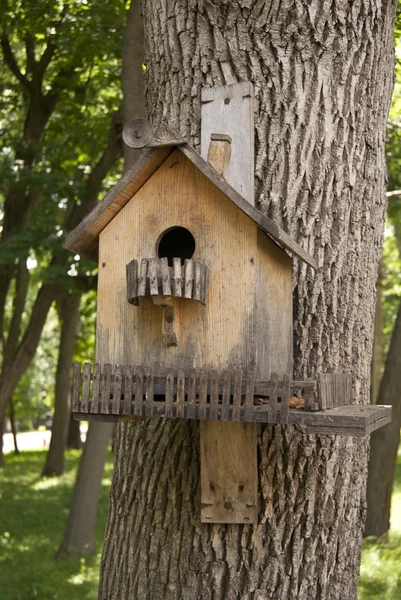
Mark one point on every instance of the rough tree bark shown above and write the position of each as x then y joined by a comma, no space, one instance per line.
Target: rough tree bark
323,79
68,315
384,442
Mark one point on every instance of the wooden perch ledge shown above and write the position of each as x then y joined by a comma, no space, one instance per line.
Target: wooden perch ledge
119,393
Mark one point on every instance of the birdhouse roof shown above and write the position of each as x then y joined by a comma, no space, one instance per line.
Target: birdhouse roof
84,239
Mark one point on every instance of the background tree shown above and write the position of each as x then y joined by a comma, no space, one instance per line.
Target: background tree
323,82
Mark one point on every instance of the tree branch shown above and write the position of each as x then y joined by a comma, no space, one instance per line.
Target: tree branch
30,54
11,62
393,193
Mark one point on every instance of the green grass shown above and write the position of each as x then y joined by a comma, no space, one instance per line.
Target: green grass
380,577
33,514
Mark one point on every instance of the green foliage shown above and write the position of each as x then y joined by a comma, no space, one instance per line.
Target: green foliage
33,514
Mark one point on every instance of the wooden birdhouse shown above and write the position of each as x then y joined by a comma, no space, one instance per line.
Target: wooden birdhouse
195,304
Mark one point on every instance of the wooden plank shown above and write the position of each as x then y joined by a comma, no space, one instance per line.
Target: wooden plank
236,414
309,398
203,393
166,277
96,389
249,396
234,118
128,380
225,406
203,286
214,395
152,275
177,277
197,282
188,278
334,389
229,473
132,282
180,393
191,394
272,410
105,386
149,392
285,396
117,387
76,386
86,387
143,277
169,395
138,403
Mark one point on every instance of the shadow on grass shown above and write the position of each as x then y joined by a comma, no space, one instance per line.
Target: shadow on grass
33,514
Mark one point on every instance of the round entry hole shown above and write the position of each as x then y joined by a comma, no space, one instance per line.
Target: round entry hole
176,242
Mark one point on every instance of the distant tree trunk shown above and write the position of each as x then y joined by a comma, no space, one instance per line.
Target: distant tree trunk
323,81
74,441
377,358
384,442
1,443
13,427
79,537
69,314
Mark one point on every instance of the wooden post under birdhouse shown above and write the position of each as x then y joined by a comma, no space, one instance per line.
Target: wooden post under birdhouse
229,469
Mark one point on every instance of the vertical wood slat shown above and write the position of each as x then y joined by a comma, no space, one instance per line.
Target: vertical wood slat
166,277
169,395
152,276
138,402
86,387
106,384
225,407
334,389
197,282
236,414
132,282
249,395
142,277
76,386
202,394
203,285
272,409
127,391
149,392
177,277
285,396
96,388
118,376
191,394
214,396
180,393
188,278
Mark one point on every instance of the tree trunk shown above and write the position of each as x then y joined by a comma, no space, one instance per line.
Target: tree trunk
323,81
377,358
69,314
74,441
1,443
384,442
79,536
13,427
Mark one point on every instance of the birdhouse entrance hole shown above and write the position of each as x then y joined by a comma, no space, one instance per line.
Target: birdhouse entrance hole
176,242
